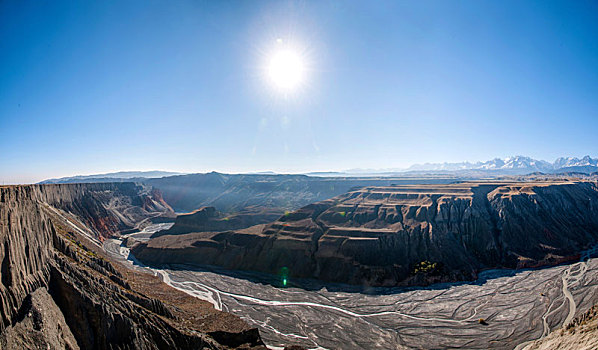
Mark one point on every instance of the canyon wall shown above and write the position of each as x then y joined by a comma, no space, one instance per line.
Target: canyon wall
210,219
58,291
230,193
405,235
105,208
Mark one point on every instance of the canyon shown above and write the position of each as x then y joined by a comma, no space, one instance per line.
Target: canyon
59,290
394,264
402,235
231,193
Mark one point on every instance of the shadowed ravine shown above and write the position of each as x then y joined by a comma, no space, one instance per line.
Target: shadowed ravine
518,306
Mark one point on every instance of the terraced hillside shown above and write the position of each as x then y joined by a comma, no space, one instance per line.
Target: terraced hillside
406,234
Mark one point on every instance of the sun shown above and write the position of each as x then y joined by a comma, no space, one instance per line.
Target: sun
286,69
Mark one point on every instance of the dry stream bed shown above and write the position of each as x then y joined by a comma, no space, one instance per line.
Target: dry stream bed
518,306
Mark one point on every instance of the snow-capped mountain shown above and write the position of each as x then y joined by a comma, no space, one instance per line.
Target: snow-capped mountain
565,162
516,165
517,162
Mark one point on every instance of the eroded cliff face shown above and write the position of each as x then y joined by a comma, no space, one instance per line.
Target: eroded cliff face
106,208
57,289
25,234
235,193
403,235
210,219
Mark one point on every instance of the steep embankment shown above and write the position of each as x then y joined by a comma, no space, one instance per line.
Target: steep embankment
230,193
580,334
401,235
209,219
106,208
58,291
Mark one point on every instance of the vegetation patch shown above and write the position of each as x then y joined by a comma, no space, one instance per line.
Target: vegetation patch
427,267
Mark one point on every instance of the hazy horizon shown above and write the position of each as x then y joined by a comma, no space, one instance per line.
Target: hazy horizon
354,171
98,87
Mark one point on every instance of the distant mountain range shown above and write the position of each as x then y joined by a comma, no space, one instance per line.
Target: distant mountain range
514,165
113,177
517,165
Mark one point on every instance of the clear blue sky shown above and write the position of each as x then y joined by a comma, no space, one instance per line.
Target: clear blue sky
98,86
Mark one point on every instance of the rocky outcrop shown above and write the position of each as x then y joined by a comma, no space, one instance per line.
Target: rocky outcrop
58,291
41,324
405,235
209,219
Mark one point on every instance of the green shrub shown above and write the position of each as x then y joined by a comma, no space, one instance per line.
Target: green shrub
427,267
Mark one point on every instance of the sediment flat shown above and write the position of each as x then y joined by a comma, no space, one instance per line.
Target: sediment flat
517,305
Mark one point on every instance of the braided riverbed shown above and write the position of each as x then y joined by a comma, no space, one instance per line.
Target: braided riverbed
517,306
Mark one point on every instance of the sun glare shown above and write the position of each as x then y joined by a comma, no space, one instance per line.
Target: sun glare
286,69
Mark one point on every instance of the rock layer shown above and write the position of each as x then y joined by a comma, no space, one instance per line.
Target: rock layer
405,235
234,193
56,291
209,219
106,209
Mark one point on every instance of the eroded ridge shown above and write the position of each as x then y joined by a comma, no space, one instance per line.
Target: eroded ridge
405,235
59,290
